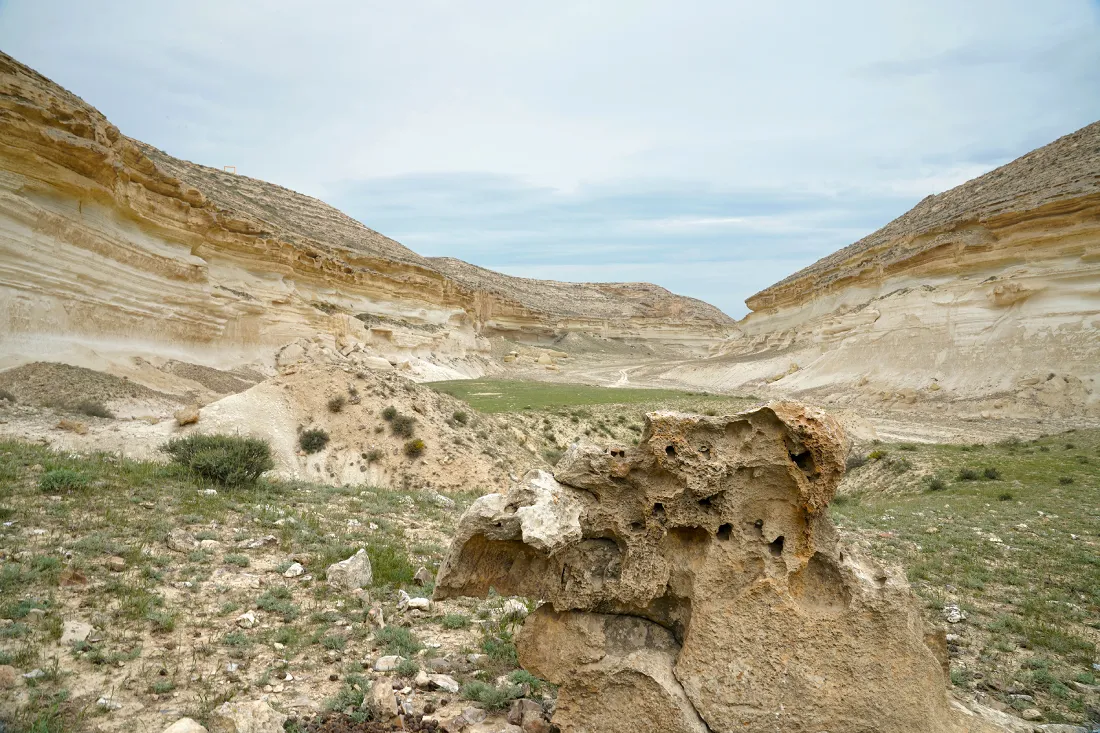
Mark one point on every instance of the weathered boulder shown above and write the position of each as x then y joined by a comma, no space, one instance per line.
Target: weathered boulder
185,725
355,572
256,716
696,582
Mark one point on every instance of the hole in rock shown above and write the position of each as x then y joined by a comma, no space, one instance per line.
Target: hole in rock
805,461
670,450
776,546
725,532
637,526
659,511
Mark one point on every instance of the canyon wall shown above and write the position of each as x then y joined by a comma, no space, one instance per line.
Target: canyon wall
991,289
111,249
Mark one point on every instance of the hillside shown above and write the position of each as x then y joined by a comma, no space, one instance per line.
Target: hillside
102,236
987,293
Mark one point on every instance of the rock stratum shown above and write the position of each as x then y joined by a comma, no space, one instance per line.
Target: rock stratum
696,583
110,248
988,290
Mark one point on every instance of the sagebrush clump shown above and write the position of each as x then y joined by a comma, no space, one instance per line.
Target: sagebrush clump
313,440
228,460
93,409
403,425
414,447
336,403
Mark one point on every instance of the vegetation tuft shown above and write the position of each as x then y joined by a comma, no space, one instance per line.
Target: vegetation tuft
227,460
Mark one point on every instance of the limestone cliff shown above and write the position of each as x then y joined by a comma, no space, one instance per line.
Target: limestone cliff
991,289
112,248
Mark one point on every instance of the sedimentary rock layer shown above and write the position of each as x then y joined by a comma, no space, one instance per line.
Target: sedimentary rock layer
108,245
696,582
987,289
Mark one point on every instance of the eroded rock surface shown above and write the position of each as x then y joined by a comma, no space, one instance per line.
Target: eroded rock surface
696,583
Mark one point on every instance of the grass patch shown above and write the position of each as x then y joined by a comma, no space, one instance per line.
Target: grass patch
398,640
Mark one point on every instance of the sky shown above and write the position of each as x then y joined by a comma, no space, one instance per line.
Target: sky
709,146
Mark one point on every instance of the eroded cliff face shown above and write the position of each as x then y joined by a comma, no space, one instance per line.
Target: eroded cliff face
110,247
990,289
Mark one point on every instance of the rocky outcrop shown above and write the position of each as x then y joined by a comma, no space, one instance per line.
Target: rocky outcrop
112,248
983,290
697,583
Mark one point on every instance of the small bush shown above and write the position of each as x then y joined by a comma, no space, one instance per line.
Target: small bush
6,395
414,447
389,565
967,474
336,403
552,455
403,425
490,697
389,413
876,455
407,668
62,481
937,484
93,409
1065,480
460,417
373,455
991,473
398,640
1005,496
228,460
455,621
277,600
313,440
240,561
855,460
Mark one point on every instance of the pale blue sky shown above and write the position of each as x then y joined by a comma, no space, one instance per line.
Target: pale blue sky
710,146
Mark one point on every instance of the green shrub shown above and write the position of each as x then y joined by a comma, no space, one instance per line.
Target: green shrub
373,455
1005,496
277,600
489,696
414,447
907,447
240,561
991,473
389,565
460,417
228,460
936,484
1065,480
403,425
455,621
854,461
407,668
398,640
967,474
62,481
876,455
552,455
313,440
93,409
336,403
389,413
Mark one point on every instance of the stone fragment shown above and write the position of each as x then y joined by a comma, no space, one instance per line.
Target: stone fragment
74,631
8,676
696,582
256,716
523,708
295,570
382,698
73,426
444,682
116,564
181,540
185,725
247,620
187,415
388,663
255,543
423,576
352,573
1032,714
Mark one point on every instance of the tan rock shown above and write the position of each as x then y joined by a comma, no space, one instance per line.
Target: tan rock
185,725
256,716
9,675
187,416
116,564
724,598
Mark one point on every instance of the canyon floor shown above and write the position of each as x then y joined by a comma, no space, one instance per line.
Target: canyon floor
106,627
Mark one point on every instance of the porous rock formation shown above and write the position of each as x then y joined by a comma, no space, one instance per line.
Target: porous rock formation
696,583
990,289
110,249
